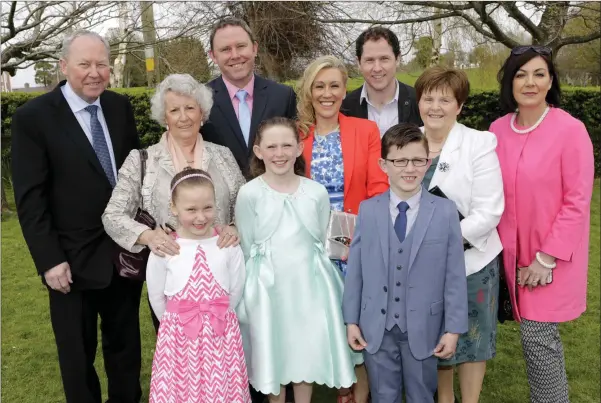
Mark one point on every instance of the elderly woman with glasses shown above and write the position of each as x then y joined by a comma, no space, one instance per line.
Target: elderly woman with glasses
547,161
181,104
465,168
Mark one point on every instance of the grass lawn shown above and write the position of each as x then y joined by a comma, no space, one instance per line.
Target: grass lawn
30,370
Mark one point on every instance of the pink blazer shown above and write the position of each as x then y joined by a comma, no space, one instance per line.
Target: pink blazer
548,179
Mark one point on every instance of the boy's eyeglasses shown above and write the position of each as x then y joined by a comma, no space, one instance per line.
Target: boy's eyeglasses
541,50
403,162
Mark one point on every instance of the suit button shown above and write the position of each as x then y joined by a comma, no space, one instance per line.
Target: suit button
398,283
398,267
397,299
400,250
383,311
385,289
396,315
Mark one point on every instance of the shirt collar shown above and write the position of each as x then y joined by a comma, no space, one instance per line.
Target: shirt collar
413,201
364,94
232,89
75,102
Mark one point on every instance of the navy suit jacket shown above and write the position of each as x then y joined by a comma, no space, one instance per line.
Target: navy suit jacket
436,297
270,99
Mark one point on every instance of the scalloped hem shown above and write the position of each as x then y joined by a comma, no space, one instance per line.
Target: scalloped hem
331,386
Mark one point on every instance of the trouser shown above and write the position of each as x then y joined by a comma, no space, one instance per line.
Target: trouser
74,319
393,369
545,363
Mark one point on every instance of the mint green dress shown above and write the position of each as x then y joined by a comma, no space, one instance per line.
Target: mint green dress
290,313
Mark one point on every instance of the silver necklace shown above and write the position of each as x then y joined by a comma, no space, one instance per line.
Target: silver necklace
531,128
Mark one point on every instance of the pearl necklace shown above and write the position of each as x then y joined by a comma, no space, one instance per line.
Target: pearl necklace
531,128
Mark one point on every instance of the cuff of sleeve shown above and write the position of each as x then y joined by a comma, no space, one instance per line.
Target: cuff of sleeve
557,249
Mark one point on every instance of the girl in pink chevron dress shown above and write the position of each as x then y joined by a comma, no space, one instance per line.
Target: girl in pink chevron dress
199,356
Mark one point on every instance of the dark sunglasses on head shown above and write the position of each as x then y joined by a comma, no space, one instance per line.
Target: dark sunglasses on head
541,50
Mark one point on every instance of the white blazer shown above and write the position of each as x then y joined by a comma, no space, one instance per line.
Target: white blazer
469,173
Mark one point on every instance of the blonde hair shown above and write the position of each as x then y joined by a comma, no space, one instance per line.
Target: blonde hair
304,106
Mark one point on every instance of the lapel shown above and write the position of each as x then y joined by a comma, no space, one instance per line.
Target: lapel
422,222
362,105
383,221
224,104
164,158
448,156
308,151
348,137
73,130
403,103
259,104
109,112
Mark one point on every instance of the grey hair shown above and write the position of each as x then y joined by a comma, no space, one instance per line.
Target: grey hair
182,84
70,38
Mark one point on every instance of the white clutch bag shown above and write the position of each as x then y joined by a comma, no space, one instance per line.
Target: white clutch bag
339,234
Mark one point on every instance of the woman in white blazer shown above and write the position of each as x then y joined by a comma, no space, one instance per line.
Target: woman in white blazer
466,169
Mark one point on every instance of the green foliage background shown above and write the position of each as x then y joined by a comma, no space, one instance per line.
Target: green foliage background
480,110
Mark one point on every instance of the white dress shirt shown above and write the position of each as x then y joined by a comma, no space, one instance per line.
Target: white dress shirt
84,118
387,115
413,203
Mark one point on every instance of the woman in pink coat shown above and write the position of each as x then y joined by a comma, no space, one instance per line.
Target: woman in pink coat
547,163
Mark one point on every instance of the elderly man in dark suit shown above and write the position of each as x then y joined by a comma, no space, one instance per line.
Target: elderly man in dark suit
242,99
382,98
67,147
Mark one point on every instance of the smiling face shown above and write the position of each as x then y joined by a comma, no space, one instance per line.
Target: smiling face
194,207
378,64
86,67
278,149
327,92
406,181
439,109
182,115
234,52
531,83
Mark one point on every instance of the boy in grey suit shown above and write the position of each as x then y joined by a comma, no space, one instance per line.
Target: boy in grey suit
405,295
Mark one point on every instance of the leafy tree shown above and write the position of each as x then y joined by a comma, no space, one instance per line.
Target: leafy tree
45,73
423,47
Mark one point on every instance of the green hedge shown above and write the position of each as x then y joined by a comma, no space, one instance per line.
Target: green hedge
481,109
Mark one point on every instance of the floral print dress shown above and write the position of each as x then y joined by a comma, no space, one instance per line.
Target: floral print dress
327,168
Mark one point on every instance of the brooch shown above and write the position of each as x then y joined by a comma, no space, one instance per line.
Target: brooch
444,166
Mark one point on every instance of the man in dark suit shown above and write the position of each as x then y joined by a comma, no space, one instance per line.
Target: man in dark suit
382,98
67,147
242,99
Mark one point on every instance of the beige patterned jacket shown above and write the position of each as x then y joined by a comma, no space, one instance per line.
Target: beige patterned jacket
154,197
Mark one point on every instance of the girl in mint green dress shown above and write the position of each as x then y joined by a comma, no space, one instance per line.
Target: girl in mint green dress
290,313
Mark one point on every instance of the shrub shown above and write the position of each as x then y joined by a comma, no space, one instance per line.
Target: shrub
480,110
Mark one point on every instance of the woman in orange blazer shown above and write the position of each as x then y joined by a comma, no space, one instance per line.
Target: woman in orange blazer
341,153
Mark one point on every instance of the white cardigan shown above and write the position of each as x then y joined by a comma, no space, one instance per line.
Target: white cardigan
169,275
469,173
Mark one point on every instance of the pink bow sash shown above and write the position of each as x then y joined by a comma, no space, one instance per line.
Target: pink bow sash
190,314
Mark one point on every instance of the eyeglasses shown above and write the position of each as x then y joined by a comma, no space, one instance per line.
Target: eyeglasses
541,50
403,162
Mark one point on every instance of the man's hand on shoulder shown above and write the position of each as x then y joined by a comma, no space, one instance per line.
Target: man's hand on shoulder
59,278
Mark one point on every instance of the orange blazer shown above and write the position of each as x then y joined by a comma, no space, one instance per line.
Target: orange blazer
361,147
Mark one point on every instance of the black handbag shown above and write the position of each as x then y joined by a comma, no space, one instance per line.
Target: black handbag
129,264
505,311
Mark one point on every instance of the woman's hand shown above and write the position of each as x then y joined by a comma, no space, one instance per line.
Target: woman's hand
228,236
534,275
159,242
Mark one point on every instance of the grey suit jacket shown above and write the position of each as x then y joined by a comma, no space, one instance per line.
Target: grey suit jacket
437,289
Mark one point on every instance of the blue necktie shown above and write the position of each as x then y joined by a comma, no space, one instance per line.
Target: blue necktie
243,114
400,224
99,144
